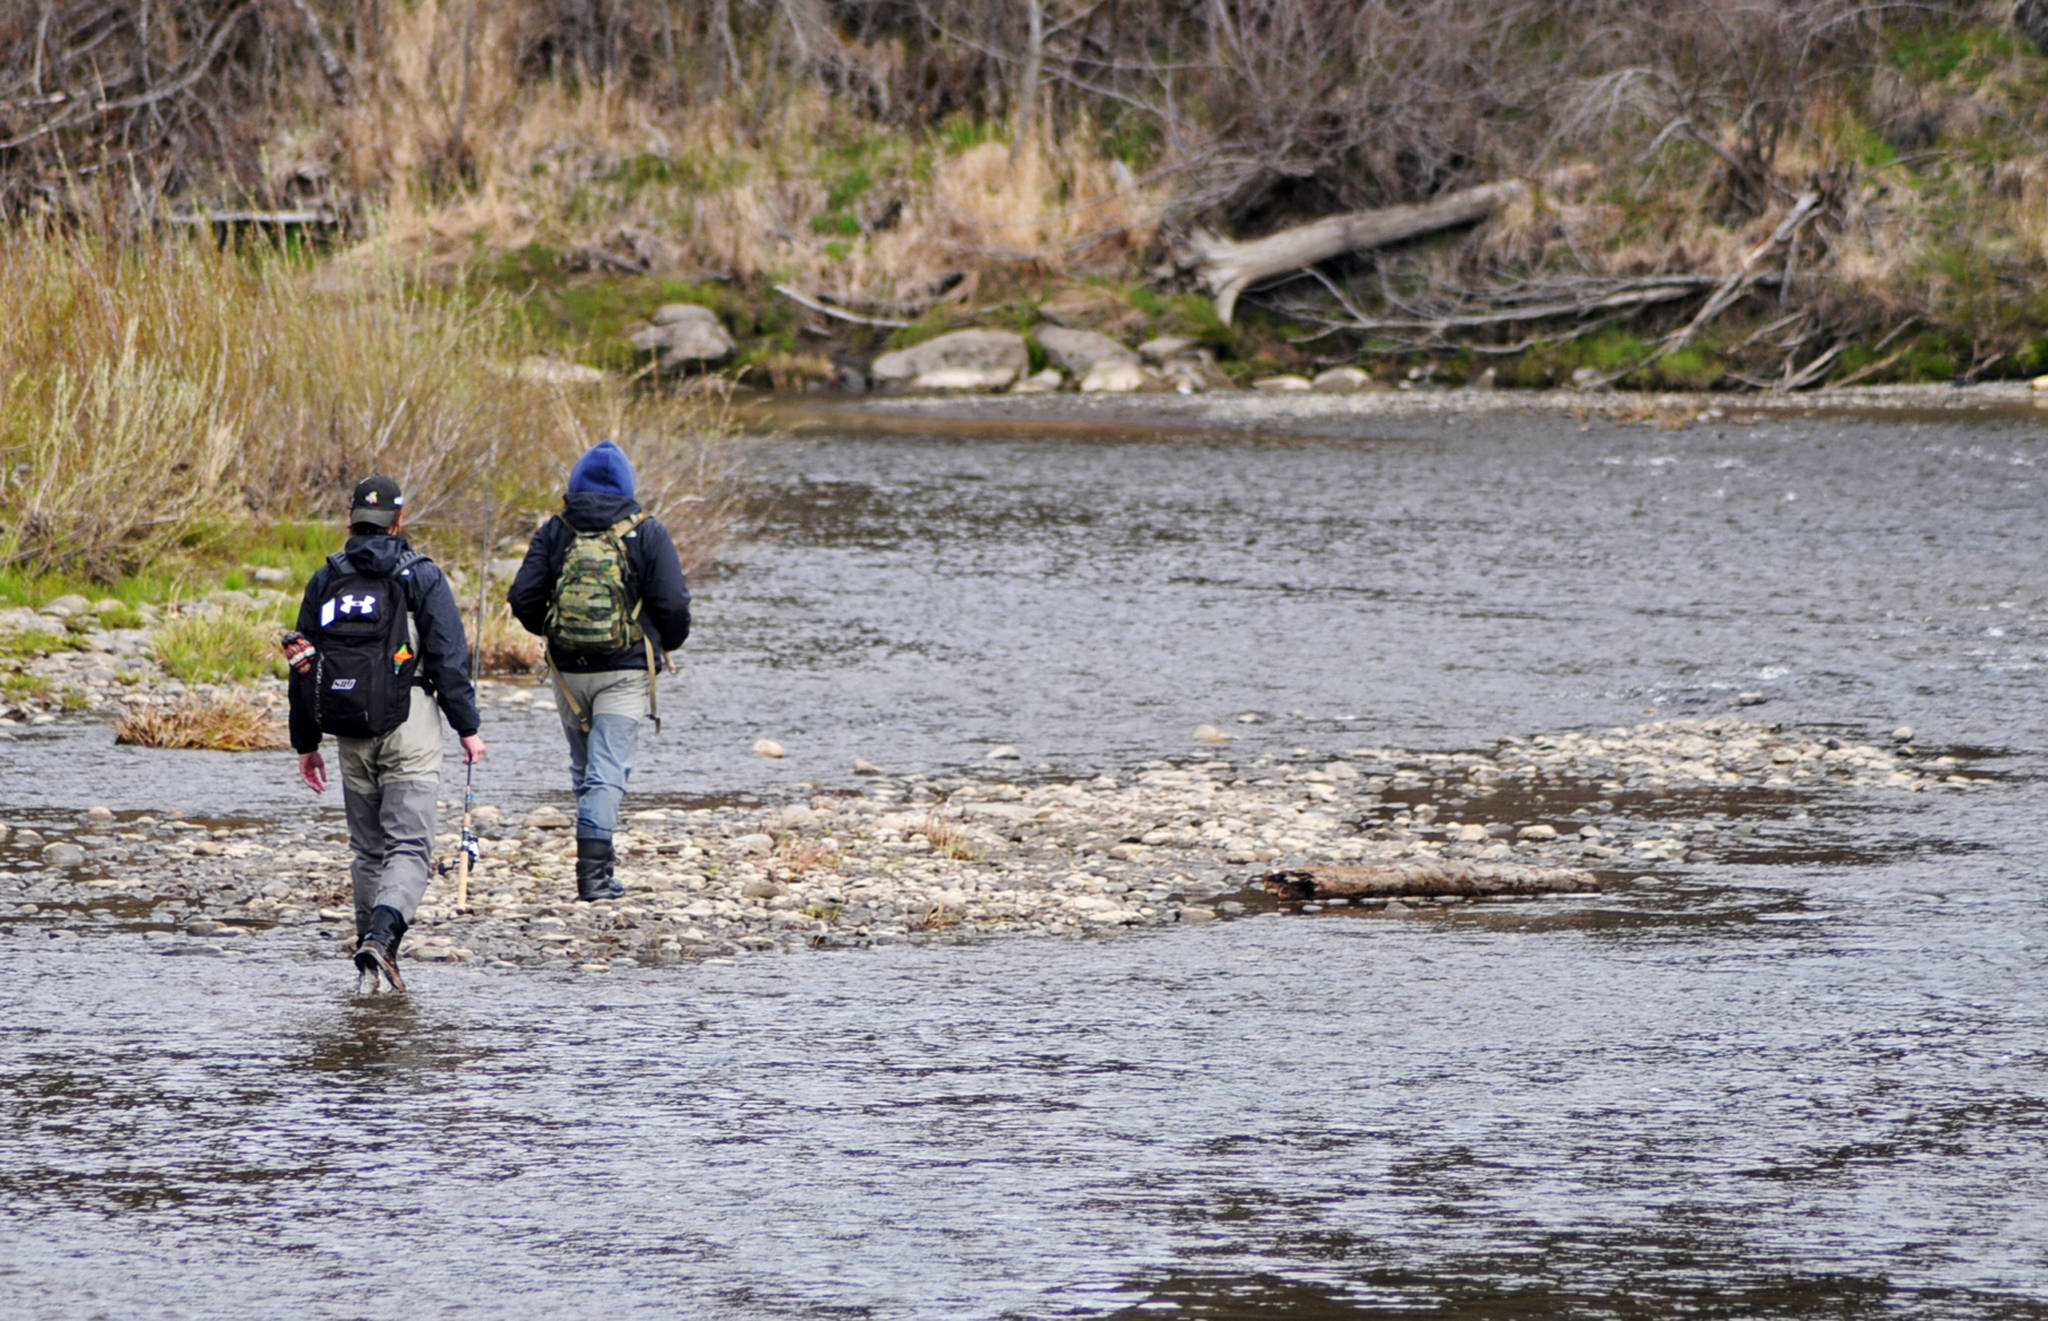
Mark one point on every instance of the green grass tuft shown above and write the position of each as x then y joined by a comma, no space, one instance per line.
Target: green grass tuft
224,645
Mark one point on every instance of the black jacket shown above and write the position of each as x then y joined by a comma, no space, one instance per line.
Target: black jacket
654,577
444,652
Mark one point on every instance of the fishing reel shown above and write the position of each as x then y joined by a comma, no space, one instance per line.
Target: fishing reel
472,846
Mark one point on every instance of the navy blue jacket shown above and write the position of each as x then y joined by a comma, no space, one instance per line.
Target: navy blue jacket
444,652
654,578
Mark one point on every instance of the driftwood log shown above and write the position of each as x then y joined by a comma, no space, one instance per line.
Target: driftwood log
1227,268
1427,880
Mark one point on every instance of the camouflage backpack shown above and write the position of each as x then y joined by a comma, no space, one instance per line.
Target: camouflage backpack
590,612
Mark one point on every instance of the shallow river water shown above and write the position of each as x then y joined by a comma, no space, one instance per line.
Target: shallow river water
1809,1080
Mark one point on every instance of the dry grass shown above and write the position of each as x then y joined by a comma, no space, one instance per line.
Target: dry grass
227,722
797,855
734,186
504,646
161,394
947,839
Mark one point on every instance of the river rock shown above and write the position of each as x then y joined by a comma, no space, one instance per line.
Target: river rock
1007,752
1343,380
1210,734
1077,352
1117,376
99,814
762,890
66,606
1283,384
1046,382
1164,348
999,356
548,818
684,334
962,380
755,843
1194,371
767,747
862,766
62,853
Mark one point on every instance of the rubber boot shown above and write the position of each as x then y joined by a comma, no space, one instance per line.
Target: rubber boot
377,951
594,879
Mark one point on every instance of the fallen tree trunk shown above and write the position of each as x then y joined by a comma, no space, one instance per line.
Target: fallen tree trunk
1227,268
1427,879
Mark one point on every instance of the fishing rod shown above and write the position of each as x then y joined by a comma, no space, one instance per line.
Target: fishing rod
472,848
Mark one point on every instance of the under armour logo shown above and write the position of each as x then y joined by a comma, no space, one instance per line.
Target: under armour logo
348,604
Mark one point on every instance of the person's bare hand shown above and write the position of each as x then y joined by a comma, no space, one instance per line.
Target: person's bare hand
472,749
313,771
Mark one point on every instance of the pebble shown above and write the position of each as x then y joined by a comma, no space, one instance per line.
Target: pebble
549,818
767,747
62,854
1211,734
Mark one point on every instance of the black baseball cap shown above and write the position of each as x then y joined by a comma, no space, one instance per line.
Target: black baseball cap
377,501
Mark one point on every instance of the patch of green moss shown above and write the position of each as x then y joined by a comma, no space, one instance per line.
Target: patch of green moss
845,189
962,132
1135,140
1690,368
36,642
836,223
20,687
1935,51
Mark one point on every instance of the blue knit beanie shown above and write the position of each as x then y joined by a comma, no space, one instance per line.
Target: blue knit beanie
604,468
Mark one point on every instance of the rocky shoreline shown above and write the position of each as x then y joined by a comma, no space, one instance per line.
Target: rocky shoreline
75,655
913,859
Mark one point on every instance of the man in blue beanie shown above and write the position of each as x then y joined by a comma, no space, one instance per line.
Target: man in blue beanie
601,582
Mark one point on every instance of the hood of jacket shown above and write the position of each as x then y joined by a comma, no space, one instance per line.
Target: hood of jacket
590,511
378,555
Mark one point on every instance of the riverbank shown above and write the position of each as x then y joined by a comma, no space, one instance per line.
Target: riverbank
906,858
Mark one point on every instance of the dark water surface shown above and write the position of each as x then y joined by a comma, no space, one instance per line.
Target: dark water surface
1806,1081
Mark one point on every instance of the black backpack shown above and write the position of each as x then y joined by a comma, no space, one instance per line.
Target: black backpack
367,666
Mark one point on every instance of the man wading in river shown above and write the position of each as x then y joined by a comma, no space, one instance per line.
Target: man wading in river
601,582
382,643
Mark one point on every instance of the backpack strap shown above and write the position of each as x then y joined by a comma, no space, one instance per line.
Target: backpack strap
619,531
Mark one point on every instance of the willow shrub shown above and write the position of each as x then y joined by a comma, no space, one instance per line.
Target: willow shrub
166,394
